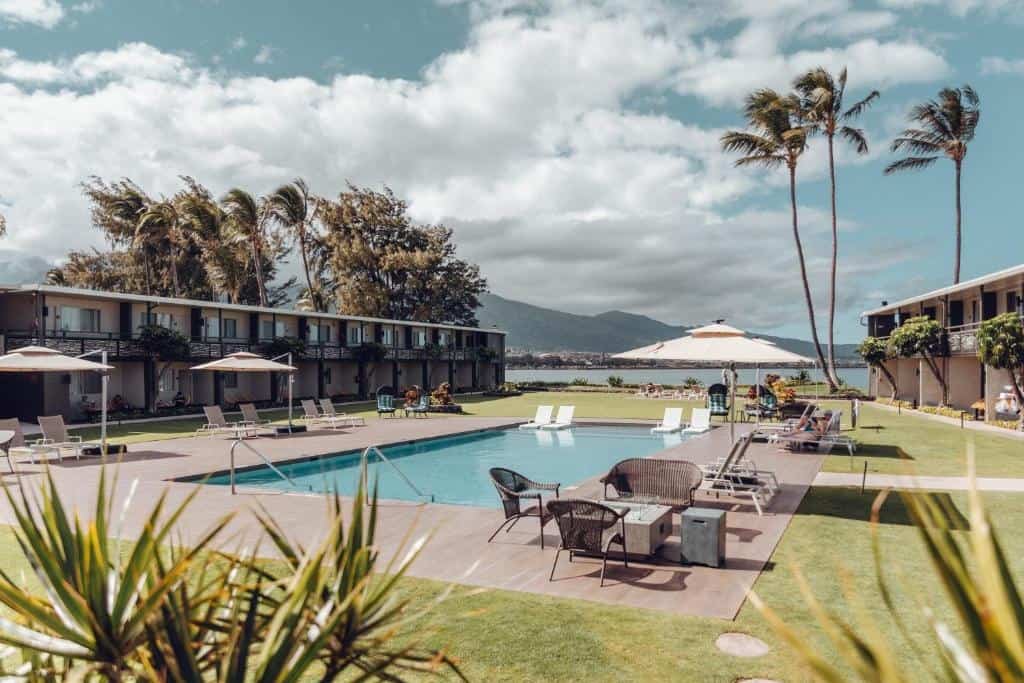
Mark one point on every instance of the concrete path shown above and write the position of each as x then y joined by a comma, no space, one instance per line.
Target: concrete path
903,481
952,421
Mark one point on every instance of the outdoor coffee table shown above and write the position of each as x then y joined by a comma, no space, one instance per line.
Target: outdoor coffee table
648,525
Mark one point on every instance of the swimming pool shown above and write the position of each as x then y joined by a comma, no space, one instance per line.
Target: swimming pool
454,469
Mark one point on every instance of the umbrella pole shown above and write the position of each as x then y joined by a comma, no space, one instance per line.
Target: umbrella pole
757,395
103,407
732,402
291,381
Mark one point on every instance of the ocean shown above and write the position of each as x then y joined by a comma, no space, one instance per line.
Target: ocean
855,377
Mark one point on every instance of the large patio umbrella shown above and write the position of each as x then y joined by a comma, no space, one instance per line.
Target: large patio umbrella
718,343
243,361
42,359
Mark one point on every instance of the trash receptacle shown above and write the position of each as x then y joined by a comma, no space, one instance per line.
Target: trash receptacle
702,531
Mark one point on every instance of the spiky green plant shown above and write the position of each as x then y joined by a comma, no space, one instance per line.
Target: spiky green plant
987,643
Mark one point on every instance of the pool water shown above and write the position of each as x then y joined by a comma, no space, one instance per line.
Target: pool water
454,469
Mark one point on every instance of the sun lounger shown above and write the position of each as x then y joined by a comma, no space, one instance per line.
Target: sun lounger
251,416
55,435
671,422
18,446
724,479
563,420
216,423
824,442
327,408
700,421
542,417
785,426
421,407
311,416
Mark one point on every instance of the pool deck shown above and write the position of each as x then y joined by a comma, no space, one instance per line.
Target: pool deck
458,550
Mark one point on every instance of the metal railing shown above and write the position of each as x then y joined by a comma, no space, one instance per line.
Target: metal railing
379,454
259,455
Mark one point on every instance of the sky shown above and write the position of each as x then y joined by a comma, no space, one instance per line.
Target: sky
572,146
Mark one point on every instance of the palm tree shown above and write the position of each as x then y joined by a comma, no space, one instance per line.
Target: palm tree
290,205
775,138
247,217
159,226
822,108
947,125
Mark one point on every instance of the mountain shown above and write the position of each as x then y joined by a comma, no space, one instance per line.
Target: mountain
540,329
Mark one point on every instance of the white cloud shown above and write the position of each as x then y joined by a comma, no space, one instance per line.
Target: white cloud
960,8
87,6
1001,65
265,55
239,43
526,140
45,13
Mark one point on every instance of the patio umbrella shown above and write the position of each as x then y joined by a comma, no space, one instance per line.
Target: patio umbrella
42,359
243,361
717,343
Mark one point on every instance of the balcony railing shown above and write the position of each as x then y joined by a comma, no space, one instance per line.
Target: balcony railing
74,344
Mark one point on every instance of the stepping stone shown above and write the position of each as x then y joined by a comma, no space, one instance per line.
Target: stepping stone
741,645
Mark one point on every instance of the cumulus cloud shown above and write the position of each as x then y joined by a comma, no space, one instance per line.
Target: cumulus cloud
1001,65
45,13
526,140
265,55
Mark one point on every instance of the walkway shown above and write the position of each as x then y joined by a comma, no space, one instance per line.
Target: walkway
903,481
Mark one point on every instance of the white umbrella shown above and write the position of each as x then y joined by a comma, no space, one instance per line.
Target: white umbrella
243,361
717,343
42,359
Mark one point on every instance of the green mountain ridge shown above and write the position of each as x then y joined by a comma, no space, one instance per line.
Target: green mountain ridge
537,329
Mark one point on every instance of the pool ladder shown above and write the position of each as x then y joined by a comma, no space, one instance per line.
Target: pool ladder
259,455
376,451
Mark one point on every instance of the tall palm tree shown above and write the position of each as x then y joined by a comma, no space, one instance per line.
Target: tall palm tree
775,138
290,205
822,108
947,125
247,216
155,233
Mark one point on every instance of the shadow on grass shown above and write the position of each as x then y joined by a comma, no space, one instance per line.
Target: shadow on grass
850,503
883,451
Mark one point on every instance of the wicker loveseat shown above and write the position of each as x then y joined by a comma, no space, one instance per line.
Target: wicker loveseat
670,482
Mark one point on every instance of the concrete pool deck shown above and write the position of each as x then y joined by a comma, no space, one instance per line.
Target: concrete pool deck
458,550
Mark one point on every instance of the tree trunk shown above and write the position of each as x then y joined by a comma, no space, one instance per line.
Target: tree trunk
956,256
803,277
934,367
832,280
1020,396
257,265
305,267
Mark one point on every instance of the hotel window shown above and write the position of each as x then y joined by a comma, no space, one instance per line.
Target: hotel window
419,338
355,335
1011,302
162,319
211,328
168,382
388,336
319,333
92,383
230,380
443,338
230,328
74,319
270,330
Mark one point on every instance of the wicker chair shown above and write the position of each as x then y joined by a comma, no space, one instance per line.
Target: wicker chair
513,488
588,527
670,482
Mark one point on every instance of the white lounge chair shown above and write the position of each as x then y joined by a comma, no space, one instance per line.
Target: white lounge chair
311,416
216,423
824,442
55,435
729,479
563,420
700,421
18,446
327,408
252,416
542,417
671,422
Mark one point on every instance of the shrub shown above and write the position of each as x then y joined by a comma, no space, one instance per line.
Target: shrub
800,377
580,381
616,381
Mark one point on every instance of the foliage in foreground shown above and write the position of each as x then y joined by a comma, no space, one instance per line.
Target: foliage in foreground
988,642
165,612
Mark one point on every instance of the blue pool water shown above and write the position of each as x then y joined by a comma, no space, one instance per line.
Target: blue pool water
454,469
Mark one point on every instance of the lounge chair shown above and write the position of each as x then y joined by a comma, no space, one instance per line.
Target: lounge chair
542,417
666,482
785,426
252,416
55,435
216,423
725,479
700,421
513,489
824,442
768,406
327,408
586,526
311,416
385,405
671,422
18,446
421,407
718,400
563,420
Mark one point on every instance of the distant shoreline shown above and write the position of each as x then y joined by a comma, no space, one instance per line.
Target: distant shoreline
579,366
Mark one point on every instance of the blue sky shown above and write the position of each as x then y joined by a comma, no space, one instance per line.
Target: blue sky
572,145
